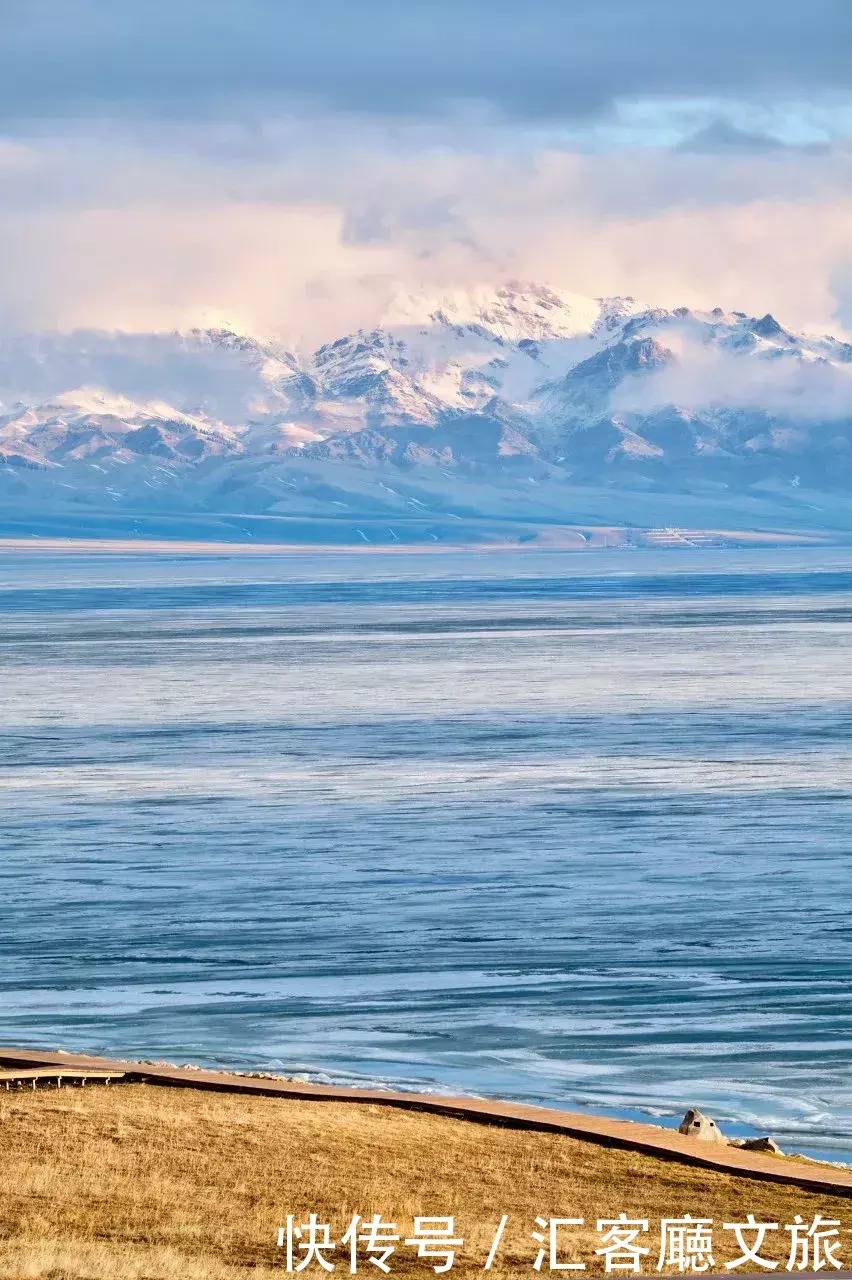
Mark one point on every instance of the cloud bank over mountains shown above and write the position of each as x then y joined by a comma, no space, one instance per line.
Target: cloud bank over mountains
282,169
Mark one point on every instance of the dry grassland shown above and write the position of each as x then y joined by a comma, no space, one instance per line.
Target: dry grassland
147,1183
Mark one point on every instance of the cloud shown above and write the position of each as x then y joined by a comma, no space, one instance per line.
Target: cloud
702,376
292,269
307,233
554,59
721,136
250,267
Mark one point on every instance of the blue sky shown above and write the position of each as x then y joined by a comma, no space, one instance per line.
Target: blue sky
282,166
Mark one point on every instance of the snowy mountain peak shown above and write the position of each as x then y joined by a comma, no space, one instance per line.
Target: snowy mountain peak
96,401
513,312
491,391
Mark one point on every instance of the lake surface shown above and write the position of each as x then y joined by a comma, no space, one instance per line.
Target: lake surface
565,828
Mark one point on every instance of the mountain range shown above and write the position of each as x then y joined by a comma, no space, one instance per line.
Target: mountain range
500,413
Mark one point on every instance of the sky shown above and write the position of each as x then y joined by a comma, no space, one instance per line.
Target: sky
284,167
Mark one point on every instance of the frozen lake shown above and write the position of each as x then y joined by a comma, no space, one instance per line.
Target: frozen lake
566,828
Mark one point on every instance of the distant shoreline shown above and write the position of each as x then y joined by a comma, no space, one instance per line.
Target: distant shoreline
585,539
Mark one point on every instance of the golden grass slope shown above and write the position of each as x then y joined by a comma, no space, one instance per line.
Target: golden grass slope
138,1182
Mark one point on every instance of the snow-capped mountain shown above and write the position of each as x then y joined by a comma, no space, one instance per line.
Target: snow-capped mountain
506,402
